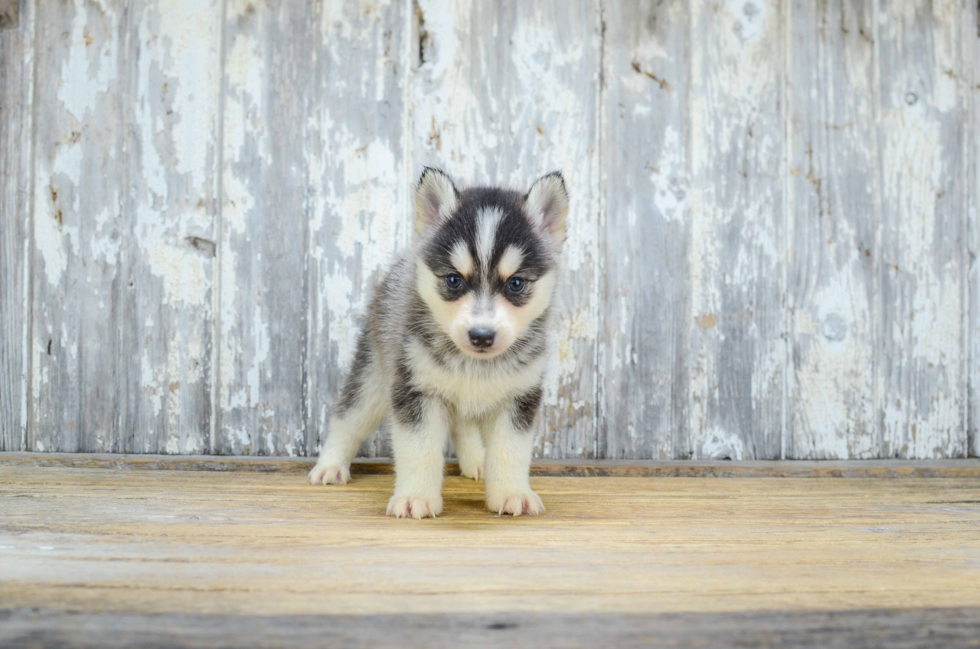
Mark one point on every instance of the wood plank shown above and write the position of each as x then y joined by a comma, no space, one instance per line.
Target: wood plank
644,333
737,258
123,201
922,128
360,206
16,115
507,92
970,25
96,541
262,363
555,468
862,629
80,183
168,218
835,211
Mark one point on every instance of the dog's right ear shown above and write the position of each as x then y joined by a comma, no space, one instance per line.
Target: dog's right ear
436,199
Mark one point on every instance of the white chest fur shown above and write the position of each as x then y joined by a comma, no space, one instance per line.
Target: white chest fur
472,388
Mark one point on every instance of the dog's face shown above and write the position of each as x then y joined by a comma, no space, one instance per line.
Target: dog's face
487,266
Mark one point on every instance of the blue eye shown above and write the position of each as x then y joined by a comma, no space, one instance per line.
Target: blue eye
516,284
454,281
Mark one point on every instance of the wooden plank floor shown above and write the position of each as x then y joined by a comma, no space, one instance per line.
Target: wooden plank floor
224,558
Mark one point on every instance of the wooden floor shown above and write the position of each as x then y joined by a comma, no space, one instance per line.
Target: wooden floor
226,558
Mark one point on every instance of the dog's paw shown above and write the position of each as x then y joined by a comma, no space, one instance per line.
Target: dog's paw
329,474
472,469
414,507
515,504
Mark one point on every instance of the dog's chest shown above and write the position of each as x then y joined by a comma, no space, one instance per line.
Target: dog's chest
473,390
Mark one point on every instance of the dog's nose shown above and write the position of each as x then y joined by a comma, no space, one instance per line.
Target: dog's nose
481,338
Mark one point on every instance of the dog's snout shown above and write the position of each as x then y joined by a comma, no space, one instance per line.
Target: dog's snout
481,338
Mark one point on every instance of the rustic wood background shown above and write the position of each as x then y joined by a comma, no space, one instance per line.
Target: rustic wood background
771,246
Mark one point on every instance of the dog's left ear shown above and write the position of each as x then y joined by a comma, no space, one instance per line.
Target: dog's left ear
435,199
547,205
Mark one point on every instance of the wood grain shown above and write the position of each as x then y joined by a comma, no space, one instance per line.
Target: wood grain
835,214
737,357
216,543
166,228
922,129
360,204
971,77
173,181
16,115
506,92
646,235
71,289
80,168
862,629
268,96
124,184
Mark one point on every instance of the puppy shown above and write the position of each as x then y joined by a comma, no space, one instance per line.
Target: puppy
454,343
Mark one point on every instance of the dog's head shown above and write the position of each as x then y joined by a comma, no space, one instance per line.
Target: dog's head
487,263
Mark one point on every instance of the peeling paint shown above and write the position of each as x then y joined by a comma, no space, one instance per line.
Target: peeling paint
670,179
700,316
48,239
922,408
99,69
736,369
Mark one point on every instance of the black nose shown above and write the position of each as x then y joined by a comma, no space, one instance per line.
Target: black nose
481,338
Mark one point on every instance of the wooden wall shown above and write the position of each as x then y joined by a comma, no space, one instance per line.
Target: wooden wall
771,245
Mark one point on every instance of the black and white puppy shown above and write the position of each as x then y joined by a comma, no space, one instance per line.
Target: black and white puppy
454,343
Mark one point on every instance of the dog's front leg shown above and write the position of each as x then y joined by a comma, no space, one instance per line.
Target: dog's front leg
509,437
418,439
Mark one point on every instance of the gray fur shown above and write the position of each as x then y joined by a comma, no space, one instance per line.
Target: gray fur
397,316
486,261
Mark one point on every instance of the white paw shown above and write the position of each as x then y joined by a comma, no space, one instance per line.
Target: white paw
524,502
414,507
469,468
329,474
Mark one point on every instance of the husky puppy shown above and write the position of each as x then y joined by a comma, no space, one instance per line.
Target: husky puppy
454,343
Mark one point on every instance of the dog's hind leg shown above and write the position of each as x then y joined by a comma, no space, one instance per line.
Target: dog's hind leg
469,447
359,411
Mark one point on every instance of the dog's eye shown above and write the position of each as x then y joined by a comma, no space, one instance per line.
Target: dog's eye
516,284
454,281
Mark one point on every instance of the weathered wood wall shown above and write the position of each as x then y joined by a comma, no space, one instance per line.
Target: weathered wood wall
771,248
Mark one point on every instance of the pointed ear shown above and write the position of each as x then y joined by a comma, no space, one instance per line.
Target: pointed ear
436,199
547,205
